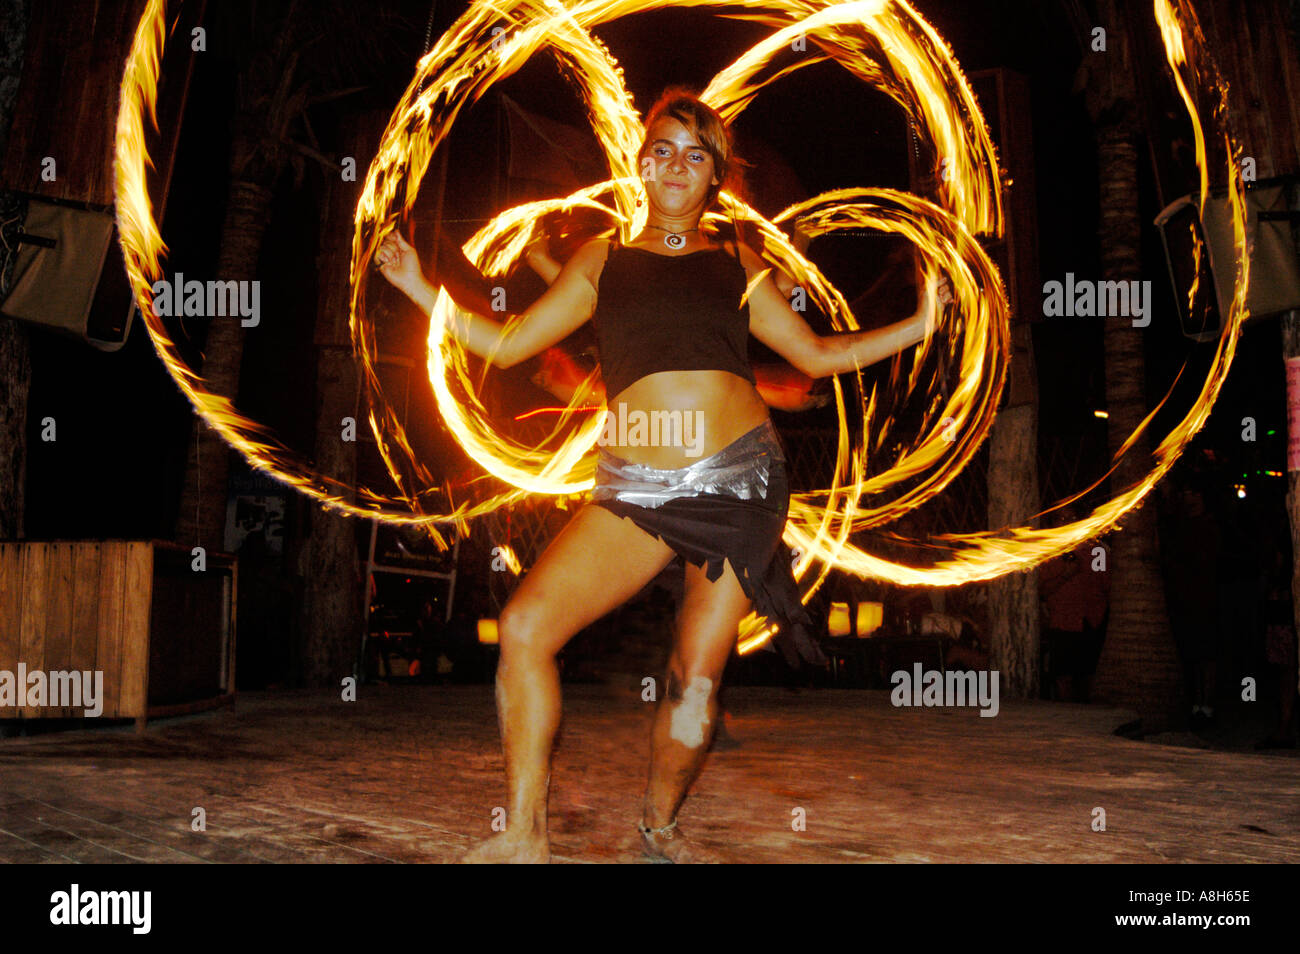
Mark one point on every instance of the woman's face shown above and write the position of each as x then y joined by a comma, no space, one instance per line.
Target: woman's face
676,168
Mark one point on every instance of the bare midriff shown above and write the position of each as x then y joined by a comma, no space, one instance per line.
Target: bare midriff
722,407
714,408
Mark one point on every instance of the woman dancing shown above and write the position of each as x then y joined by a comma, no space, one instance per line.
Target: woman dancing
710,486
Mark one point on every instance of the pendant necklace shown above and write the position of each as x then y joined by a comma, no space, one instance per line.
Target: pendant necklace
674,240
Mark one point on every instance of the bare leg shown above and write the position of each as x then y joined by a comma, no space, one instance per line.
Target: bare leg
570,587
684,722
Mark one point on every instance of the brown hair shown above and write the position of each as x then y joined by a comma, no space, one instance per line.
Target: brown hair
707,125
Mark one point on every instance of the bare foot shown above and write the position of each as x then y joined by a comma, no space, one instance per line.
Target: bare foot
676,848
509,848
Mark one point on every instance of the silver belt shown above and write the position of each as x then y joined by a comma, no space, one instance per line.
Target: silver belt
741,469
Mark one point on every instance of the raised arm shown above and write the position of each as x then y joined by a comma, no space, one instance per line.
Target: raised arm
773,322
562,308
785,282
539,260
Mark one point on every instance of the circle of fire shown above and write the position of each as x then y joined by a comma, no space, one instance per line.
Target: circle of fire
883,42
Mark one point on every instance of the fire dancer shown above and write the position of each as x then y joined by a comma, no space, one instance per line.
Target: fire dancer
672,337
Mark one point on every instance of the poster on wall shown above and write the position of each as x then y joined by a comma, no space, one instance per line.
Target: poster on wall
255,512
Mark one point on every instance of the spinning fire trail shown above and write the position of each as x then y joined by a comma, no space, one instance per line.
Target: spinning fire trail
887,45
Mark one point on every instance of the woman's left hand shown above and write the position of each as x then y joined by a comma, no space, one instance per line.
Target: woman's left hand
399,263
938,295
945,291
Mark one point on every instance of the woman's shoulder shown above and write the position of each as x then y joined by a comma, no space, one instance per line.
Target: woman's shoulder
596,247
750,260
590,257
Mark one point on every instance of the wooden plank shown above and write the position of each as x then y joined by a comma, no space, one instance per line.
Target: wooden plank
80,160
1279,62
1289,98
135,820
32,826
72,70
19,851
58,621
1263,37
1250,47
138,600
85,605
31,627
30,136
11,588
1263,136
108,652
1217,24
92,837
76,50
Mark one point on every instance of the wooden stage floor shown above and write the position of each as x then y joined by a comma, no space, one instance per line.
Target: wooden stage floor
412,773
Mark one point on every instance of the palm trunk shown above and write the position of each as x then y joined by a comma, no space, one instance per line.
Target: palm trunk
1139,664
202,517
1013,599
331,612
330,621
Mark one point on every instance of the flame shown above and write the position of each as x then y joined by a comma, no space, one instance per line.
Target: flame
508,555
885,43
878,475
142,247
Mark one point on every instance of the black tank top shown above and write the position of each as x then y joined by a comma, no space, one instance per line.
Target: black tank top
670,313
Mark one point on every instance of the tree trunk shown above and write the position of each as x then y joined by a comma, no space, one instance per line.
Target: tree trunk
1013,599
331,613
15,351
1139,664
331,607
1013,495
202,517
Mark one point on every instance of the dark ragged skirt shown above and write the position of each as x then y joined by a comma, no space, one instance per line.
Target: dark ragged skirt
730,506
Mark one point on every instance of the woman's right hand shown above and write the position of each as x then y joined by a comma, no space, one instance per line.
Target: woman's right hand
538,250
538,256
399,263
